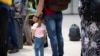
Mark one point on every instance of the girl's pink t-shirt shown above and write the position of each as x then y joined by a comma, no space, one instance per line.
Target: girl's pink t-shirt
39,30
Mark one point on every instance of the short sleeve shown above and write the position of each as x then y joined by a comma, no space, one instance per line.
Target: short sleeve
34,26
44,27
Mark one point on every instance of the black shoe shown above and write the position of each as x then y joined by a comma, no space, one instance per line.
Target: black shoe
14,50
45,45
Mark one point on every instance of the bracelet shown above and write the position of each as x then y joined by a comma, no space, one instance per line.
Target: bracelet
36,16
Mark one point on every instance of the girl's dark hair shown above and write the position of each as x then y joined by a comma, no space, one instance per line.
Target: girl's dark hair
40,21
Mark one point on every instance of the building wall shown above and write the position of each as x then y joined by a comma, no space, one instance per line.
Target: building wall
72,8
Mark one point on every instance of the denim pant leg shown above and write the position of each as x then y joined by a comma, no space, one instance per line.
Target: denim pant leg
59,19
39,46
36,52
51,29
42,49
12,30
56,40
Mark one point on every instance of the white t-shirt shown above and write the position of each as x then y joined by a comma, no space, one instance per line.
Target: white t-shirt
38,30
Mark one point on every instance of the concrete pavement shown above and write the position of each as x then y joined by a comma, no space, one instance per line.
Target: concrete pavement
71,48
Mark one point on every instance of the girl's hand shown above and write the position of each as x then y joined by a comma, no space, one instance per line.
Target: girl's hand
35,19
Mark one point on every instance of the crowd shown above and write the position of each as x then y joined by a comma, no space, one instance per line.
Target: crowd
42,18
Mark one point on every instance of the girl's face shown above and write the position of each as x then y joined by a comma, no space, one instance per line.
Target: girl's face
35,19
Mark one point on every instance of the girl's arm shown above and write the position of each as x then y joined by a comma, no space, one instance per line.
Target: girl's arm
45,33
45,36
33,32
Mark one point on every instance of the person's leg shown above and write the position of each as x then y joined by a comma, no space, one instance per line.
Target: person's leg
51,29
36,52
3,30
41,49
59,18
36,46
27,31
12,31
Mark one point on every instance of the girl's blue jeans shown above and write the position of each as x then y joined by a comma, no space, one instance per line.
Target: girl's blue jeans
39,46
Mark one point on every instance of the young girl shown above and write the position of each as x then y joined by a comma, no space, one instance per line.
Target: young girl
39,35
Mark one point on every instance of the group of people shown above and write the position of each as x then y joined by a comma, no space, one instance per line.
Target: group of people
51,22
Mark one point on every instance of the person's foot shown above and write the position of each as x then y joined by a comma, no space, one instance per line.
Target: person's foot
29,44
14,51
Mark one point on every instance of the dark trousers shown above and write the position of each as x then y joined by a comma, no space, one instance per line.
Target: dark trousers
3,30
12,31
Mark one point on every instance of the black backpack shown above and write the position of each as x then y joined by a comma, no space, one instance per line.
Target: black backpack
91,10
57,5
74,33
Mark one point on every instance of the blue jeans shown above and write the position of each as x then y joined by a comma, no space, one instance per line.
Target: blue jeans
54,28
12,30
39,46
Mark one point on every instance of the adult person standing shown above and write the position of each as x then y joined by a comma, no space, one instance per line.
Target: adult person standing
4,8
53,21
89,11
28,21
12,31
